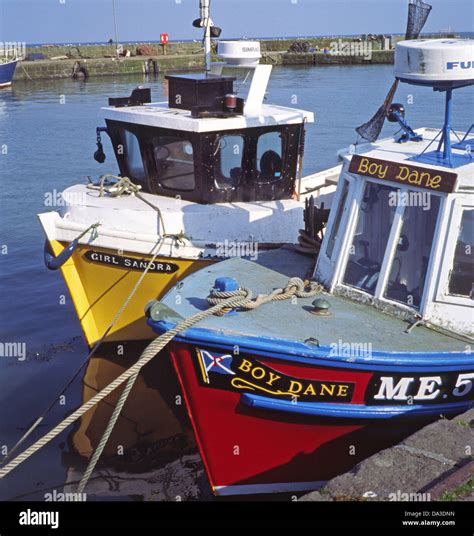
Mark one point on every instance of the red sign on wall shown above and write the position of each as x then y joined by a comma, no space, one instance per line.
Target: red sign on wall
164,38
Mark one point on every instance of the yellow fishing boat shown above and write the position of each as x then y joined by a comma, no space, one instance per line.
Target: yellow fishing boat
210,174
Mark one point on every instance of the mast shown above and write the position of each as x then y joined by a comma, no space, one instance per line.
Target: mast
115,28
206,23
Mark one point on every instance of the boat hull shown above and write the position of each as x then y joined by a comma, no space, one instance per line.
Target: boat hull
7,71
278,424
100,280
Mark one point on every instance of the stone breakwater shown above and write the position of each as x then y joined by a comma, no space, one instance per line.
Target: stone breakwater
62,61
434,464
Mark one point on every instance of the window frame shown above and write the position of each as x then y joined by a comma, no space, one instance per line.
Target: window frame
123,135
283,136
218,169
459,204
158,178
342,252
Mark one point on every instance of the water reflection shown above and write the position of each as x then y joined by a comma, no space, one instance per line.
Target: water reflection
153,428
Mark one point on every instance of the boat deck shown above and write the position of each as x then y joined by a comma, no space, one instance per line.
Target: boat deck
349,322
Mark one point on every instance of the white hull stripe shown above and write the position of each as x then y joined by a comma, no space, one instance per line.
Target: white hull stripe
280,487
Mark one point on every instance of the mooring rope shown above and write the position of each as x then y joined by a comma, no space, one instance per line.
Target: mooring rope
128,187
239,298
295,287
124,186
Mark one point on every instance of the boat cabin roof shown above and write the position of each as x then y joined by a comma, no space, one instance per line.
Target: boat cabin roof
160,115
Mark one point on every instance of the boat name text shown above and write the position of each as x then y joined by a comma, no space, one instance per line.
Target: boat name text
413,176
130,263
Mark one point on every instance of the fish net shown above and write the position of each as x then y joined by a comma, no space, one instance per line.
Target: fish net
370,131
418,12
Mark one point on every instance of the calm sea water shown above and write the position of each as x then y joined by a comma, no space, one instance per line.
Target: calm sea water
47,138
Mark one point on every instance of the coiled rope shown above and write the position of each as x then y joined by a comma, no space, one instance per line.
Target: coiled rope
295,287
226,301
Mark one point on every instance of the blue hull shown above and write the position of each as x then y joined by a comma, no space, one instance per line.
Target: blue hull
7,70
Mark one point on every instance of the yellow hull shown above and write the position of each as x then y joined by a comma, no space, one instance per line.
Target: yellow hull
100,285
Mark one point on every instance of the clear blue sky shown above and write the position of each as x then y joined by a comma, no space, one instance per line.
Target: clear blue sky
53,21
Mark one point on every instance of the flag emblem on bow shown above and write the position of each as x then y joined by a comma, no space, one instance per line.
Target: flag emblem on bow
214,363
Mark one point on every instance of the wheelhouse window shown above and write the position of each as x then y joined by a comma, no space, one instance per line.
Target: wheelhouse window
337,221
370,239
133,156
410,262
269,157
229,157
461,276
174,159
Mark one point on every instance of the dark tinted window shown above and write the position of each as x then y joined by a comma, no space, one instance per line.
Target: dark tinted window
174,159
229,155
269,157
133,157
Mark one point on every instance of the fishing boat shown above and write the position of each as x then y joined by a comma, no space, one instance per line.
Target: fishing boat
270,390
208,172
7,71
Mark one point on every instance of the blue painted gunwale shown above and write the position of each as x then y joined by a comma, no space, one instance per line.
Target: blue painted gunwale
298,352
353,411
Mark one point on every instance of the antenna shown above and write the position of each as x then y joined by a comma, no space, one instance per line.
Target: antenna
115,29
210,30
206,22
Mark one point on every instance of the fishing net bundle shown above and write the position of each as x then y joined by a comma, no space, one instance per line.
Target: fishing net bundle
418,12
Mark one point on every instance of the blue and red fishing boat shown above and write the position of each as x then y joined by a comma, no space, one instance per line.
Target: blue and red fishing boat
389,336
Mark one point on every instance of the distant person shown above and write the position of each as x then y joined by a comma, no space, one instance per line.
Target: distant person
110,41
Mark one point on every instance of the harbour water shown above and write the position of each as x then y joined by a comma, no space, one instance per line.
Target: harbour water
47,138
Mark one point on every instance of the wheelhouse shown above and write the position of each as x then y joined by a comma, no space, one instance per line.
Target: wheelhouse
202,151
399,246
247,164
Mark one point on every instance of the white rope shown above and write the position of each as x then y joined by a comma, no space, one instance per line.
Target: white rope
239,298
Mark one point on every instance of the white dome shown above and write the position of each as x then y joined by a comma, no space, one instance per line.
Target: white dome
435,62
239,52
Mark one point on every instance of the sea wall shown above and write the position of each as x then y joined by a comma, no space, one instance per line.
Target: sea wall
100,60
